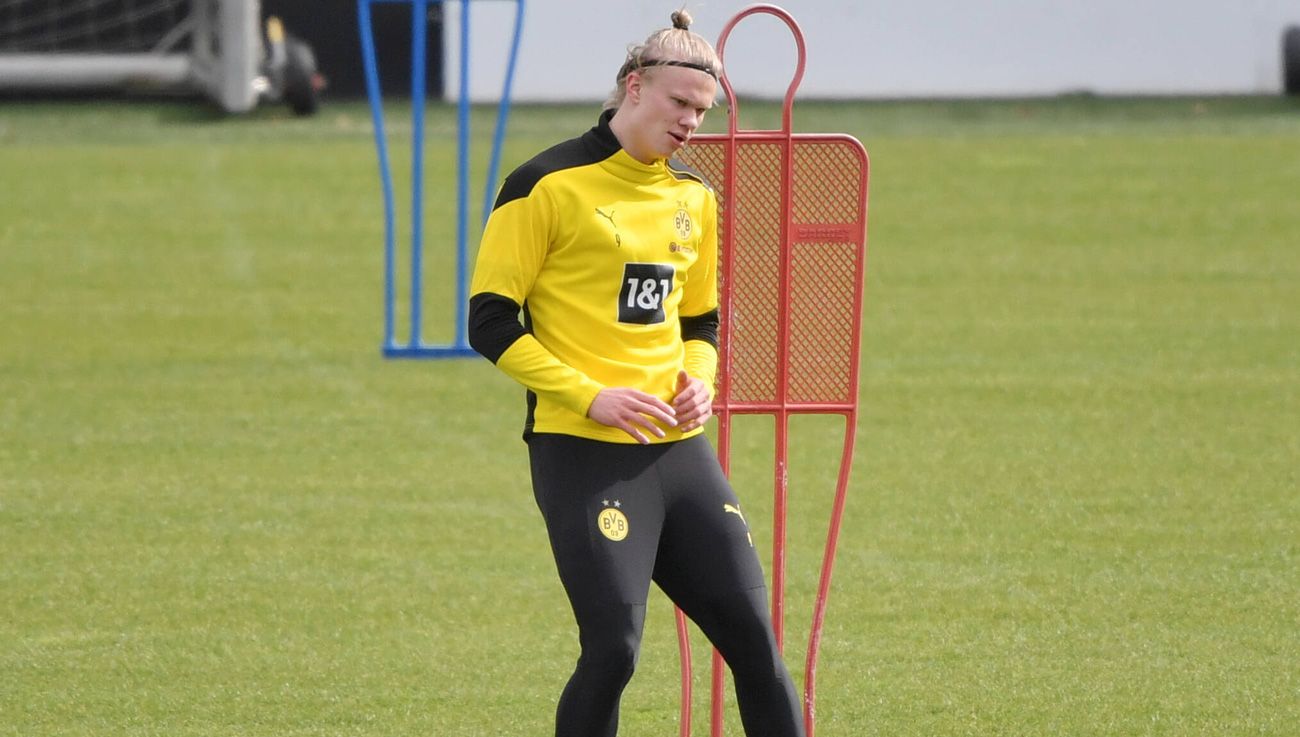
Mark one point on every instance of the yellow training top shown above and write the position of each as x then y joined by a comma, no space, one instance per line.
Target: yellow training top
614,264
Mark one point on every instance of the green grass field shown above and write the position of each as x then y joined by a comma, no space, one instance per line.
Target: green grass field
1075,506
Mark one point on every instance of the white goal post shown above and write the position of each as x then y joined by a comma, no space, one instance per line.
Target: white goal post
213,47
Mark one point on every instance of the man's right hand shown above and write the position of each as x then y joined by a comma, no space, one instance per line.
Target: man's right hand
631,411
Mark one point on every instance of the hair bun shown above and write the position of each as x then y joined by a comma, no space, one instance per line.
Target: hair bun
682,20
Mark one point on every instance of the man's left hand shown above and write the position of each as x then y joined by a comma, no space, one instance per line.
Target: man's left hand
692,405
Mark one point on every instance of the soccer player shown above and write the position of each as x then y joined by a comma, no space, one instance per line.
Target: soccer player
609,248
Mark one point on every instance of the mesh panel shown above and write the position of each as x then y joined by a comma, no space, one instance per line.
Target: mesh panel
826,175
824,266
824,231
755,273
822,322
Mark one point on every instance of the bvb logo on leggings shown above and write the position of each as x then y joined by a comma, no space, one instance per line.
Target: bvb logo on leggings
612,523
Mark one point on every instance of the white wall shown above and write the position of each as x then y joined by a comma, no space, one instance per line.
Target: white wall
571,49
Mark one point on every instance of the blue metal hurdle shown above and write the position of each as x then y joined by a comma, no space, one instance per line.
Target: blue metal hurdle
415,347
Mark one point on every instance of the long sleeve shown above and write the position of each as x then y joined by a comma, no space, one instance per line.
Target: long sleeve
699,310
700,339
495,332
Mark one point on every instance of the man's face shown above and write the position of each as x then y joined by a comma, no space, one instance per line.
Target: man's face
669,105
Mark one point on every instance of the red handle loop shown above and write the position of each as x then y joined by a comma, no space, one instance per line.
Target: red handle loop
780,13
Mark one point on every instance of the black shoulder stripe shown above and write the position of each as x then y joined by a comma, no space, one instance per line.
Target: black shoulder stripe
592,147
570,154
684,172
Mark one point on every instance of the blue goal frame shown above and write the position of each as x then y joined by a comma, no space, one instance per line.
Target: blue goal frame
415,347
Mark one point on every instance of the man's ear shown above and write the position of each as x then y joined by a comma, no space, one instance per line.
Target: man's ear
633,83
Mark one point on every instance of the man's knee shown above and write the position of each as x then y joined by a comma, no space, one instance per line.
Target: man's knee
610,659
611,645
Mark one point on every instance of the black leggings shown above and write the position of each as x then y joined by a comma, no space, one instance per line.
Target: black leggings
619,516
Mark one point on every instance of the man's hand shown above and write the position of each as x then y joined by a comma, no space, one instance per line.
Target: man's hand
631,411
692,404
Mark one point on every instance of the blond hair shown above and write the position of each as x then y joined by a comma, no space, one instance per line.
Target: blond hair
676,46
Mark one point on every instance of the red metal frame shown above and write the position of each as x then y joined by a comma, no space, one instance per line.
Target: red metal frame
843,236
